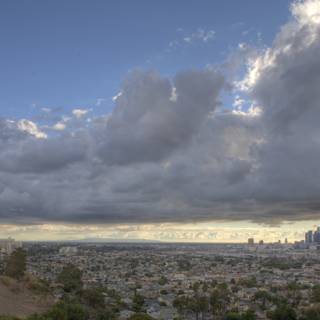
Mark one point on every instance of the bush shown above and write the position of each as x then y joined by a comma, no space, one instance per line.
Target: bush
64,311
71,278
140,316
248,315
38,286
232,316
7,281
93,298
138,301
312,313
283,312
16,264
315,294
162,281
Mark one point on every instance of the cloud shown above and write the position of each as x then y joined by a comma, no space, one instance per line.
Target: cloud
59,126
170,152
200,35
100,102
118,95
285,81
200,232
46,110
148,125
41,156
79,113
31,128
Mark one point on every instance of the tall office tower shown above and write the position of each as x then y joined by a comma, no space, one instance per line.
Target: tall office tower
9,245
250,241
309,236
316,236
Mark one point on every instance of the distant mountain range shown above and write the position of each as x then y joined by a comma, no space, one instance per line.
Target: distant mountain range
109,240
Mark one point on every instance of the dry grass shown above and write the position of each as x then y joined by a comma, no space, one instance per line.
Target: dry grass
23,298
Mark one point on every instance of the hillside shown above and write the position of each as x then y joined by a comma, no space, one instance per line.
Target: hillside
21,299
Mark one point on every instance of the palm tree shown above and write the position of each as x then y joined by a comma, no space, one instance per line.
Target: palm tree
262,296
218,300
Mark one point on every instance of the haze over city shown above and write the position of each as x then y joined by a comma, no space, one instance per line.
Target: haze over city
178,121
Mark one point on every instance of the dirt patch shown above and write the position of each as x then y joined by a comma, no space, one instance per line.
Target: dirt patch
16,299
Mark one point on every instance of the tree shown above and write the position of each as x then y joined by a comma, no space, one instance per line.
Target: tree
283,312
219,299
263,297
70,310
248,315
34,317
232,316
138,301
93,298
163,280
196,286
315,293
180,303
71,278
248,282
141,316
106,314
203,304
213,283
312,313
16,264
67,311
193,306
184,265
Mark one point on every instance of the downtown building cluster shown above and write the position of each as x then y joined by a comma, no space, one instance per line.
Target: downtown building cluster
313,237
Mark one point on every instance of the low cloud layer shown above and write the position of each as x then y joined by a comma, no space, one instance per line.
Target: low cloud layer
171,152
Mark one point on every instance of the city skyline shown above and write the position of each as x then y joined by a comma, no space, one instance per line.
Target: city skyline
174,122
174,233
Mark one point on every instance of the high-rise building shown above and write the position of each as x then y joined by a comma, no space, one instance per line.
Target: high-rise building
250,241
9,245
309,238
316,236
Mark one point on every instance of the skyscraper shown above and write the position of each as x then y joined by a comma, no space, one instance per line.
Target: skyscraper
309,238
316,236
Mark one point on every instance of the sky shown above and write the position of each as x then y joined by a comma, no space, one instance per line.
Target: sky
172,121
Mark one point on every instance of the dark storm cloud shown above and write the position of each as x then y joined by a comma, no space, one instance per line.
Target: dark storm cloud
287,87
42,155
153,117
169,153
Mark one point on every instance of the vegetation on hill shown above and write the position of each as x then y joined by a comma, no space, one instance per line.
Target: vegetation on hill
16,264
71,278
140,316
